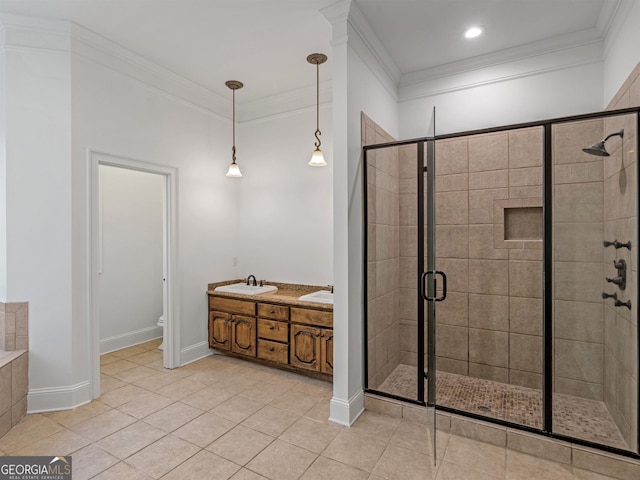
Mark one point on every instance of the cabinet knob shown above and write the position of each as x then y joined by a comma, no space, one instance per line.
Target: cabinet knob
271,349
272,311
271,327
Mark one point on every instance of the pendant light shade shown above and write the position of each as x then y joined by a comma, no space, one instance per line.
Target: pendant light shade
317,158
234,169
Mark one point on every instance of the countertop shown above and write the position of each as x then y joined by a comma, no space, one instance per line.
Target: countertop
287,294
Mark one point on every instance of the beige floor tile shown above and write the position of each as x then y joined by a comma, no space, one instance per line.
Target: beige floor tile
311,434
588,475
327,469
103,425
155,381
240,444
320,412
380,426
525,467
152,344
108,383
264,391
235,383
179,389
282,461
131,439
117,367
413,436
134,374
312,386
207,398
359,451
476,455
237,408
452,471
122,395
29,430
203,465
162,456
271,420
173,416
62,443
204,429
398,462
69,418
207,377
145,405
295,402
122,471
147,357
244,474
128,352
90,461
108,358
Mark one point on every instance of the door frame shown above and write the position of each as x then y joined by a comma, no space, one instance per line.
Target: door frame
171,300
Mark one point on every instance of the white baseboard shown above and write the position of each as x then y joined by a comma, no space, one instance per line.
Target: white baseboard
118,342
345,412
58,398
195,352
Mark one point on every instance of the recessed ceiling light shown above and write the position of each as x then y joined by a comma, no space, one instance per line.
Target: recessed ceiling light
473,32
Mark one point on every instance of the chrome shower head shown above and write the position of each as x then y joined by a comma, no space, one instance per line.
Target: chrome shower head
598,149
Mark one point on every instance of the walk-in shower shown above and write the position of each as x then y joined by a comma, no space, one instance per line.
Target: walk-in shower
533,240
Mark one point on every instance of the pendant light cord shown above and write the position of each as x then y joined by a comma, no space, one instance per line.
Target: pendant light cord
318,133
233,148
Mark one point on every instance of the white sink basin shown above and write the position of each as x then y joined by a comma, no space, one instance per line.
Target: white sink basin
321,296
245,289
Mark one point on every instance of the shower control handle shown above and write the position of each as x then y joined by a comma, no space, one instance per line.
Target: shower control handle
617,244
621,279
616,280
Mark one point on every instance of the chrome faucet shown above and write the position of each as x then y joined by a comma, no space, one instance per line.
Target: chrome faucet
255,283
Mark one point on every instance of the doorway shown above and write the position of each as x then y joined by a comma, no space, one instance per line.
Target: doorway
119,178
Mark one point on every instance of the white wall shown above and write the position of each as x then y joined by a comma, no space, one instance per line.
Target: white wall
621,49
131,244
285,207
505,101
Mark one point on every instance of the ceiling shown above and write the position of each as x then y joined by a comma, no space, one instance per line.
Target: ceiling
264,43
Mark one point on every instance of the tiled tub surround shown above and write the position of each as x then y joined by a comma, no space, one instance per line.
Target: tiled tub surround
14,363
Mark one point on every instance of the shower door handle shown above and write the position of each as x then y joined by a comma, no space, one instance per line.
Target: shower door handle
423,285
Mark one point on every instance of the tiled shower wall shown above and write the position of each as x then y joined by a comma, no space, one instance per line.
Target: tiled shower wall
490,326
621,222
383,255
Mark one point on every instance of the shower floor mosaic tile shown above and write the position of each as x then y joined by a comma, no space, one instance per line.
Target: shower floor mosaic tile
573,416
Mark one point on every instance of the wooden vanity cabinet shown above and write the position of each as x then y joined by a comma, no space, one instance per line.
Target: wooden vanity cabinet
243,335
298,337
219,330
311,344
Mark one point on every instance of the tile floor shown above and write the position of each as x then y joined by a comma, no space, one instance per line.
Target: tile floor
572,416
222,418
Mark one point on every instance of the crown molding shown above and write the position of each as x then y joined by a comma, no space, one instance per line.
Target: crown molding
19,32
523,67
284,103
614,19
548,46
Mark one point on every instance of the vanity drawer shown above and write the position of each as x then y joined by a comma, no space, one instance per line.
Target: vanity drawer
276,352
230,305
273,330
277,312
312,317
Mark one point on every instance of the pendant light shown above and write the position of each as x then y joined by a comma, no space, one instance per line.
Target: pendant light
234,170
317,159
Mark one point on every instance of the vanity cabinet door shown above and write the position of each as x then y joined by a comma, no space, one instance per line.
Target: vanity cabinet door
326,348
305,347
219,330
243,335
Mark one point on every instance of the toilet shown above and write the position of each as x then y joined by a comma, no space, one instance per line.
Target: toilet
161,324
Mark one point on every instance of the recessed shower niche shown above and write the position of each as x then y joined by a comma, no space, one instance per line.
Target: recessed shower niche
515,217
